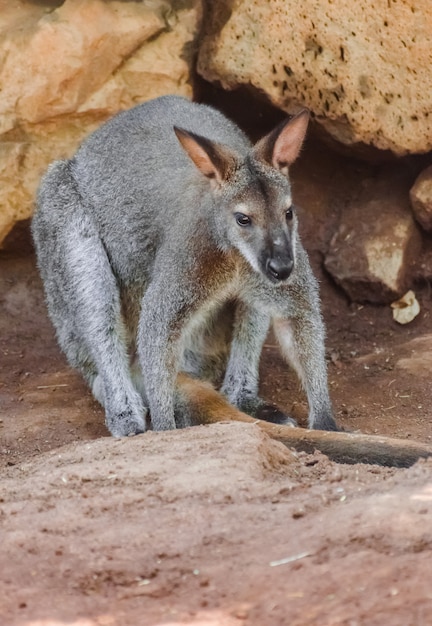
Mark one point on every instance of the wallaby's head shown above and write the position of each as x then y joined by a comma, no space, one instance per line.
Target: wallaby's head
253,209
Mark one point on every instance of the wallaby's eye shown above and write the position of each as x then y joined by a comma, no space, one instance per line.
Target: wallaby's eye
289,214
242,219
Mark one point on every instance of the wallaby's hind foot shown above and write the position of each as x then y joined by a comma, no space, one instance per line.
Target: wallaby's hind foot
325,421
270,413
259,409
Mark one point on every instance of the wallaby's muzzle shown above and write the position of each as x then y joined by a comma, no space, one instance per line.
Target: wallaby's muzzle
279,269
277,260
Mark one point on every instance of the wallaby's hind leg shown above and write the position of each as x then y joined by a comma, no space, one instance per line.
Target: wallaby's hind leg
83,300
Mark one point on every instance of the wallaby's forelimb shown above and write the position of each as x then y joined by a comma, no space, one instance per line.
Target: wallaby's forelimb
206,406
302,344
241,379
299,330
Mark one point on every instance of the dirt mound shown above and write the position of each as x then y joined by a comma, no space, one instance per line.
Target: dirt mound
211,525
215,526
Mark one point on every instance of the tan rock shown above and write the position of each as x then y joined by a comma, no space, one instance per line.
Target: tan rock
364,68
12,193
372,254
55,63
64,71
421,199
406,309
416,356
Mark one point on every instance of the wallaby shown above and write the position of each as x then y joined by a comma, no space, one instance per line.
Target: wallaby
169,244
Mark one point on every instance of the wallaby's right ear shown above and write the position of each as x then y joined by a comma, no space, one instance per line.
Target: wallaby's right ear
214,160
281,147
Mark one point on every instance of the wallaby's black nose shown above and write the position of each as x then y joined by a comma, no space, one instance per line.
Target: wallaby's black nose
279,270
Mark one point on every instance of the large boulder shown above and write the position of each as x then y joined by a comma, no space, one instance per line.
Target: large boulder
65,70
421,199
373,252
362,67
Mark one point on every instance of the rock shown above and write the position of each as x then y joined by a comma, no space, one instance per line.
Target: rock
421,199
406,309
363,68
66,70
423,267
372,254
416,356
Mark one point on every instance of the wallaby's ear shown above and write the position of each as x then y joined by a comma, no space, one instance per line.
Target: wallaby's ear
281,146
212,159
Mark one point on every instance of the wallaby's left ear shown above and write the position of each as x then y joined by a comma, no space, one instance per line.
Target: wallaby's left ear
212,159
281,147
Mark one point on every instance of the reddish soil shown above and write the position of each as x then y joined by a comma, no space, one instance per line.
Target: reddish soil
216,525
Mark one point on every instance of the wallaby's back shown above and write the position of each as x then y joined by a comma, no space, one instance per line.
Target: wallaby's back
135,177
137,153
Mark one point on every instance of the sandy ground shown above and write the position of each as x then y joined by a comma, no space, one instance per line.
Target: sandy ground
215,525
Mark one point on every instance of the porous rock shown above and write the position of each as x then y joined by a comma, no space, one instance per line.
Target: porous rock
65,70
364,68
374,250
421,199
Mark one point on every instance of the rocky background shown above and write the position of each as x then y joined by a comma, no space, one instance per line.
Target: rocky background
364,70
65,67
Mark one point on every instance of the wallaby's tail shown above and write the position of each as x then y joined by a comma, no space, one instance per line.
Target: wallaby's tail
205,405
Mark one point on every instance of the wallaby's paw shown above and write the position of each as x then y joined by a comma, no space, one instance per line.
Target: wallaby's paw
163,425
125,424
326,422
272,414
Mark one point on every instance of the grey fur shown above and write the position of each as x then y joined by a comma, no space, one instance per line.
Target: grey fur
147,272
